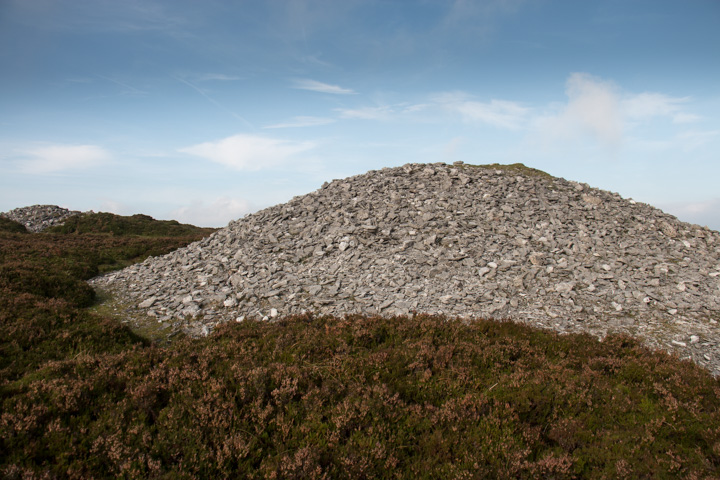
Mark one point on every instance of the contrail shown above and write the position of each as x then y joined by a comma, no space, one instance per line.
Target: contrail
211,100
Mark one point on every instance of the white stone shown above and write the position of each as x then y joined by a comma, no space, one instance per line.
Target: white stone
148,303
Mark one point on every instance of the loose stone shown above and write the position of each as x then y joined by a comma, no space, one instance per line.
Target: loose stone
471,242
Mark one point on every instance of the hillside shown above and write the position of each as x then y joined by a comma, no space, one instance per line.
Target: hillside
421,396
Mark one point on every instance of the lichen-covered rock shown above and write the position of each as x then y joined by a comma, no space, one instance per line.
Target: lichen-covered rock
461,240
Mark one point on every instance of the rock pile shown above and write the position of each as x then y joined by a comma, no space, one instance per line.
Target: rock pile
462,240
37,218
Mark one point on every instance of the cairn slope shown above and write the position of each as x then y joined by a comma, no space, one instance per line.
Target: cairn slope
472,241
37,218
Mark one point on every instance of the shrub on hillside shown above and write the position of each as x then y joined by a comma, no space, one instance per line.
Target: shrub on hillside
42,287
359,397
110,223
11,226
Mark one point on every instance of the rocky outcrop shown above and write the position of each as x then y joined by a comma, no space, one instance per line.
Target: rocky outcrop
462,240
37,218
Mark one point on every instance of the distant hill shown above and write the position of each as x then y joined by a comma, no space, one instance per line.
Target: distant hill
112,224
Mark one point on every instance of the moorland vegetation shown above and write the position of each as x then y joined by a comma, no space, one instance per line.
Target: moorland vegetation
84,396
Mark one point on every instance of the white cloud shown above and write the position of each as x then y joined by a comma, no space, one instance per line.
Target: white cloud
600,109
217,214
57,158
315,86
594,106
367,113
248,152
499,113
303,121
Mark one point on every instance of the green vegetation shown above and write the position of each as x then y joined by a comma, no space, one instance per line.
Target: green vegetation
317,397
11,226
43,292
121,225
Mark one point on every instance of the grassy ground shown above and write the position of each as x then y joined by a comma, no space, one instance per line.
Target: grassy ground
317,397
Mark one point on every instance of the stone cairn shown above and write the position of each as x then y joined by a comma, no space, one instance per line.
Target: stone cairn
504,242
39,217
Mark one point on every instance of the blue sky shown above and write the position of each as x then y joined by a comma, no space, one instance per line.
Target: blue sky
204,111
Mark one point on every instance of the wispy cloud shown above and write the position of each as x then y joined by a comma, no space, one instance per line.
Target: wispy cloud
220,77
216,214
405,111
58,158
499,113
303,121
315,86
649,104
248,152
382,112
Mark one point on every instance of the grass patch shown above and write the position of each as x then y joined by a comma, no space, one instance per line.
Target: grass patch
108,305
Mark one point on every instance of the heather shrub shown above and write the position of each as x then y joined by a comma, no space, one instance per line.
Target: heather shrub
42,288
142,225
39,281
419,397
11,226
82,396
